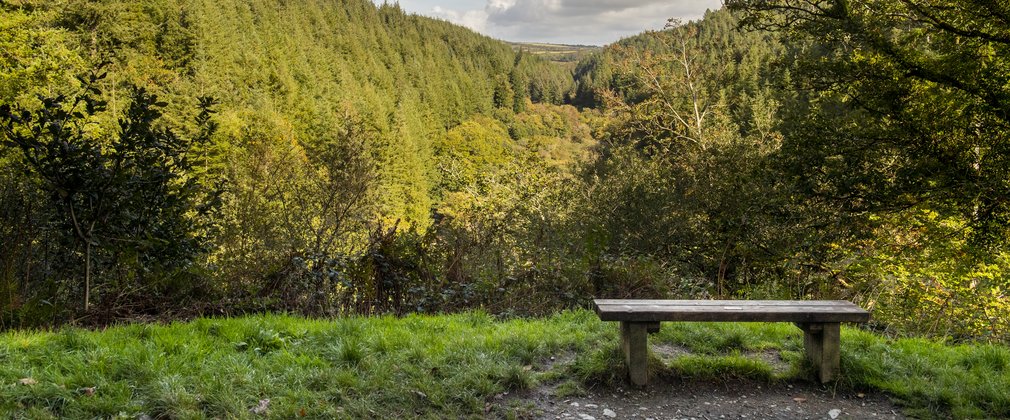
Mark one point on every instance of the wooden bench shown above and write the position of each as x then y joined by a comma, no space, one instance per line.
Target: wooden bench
820,321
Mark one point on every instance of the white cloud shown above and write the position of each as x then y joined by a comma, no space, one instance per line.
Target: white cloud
473,19
573,21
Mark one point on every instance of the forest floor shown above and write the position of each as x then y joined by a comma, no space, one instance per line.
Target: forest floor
678,398
675,399
472,365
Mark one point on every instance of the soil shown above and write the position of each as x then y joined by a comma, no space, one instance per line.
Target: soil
705,400
673,398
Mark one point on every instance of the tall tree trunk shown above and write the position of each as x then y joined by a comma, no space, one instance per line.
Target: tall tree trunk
87,276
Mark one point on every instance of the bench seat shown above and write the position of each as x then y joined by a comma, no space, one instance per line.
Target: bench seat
820,321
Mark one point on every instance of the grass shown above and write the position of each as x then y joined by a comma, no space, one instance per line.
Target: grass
439,366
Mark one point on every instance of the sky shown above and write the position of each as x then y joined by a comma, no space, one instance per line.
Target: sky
587,22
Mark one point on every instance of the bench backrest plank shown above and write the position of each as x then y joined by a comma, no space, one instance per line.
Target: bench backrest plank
645,310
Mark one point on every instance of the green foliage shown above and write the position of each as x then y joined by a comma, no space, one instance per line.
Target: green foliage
478,146
35,60
938,291
24,209
128,197
897,125
899,105
409,77
336,119
559,135
377,162
749,164
286,201
689,134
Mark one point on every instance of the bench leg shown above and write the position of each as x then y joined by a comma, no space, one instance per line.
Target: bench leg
822,342
635,344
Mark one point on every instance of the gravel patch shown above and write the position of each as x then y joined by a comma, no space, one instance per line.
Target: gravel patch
671,399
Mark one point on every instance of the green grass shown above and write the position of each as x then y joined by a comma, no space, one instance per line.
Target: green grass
439,366
356,367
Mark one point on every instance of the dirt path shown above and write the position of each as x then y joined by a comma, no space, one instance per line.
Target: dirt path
703,400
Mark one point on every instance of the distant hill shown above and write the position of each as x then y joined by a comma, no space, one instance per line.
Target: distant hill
558,53
743,57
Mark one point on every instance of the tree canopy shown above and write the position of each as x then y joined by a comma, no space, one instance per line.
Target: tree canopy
364,160
926,98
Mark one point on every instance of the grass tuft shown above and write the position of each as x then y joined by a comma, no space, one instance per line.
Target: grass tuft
604,365
441,366
347,352
734,366
570,388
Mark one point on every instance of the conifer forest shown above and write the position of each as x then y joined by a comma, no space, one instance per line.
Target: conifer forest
170,159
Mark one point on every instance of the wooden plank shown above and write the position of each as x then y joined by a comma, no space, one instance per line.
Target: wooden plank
730,310
831,352
808,317
635,345
727,308
822,343
743,316
689,302
720,303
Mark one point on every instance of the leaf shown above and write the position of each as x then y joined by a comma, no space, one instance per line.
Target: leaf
27,381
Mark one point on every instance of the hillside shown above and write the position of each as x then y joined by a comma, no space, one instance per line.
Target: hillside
294,69
740,62
566,55
174,158
332,118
